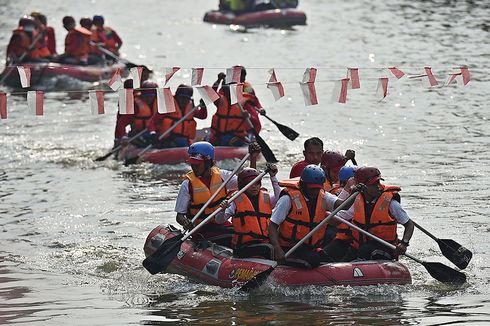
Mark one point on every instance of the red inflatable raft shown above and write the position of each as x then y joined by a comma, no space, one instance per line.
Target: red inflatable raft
271,18
215,265
42,71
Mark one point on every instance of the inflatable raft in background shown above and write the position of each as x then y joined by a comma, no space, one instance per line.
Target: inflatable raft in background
47,70
212,264
271,18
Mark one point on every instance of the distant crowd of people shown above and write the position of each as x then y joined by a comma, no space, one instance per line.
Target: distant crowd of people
90,43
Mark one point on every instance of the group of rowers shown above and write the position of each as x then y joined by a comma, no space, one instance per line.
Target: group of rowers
239,7
90,43
259,224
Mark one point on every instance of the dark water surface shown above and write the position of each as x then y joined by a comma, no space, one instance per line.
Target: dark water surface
72,230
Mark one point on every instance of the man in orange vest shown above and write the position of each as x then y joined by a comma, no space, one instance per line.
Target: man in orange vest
21,47
47,43
250,214
77,43
378,211
105,36
302,207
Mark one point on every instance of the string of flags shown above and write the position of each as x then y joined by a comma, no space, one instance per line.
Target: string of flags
165,102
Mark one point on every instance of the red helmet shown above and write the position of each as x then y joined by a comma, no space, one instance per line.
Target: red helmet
367,175
332,160
247,175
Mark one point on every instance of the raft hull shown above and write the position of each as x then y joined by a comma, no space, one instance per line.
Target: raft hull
271,18
215,265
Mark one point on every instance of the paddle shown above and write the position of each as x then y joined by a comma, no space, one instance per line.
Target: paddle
261,277
456,253
285,130
128,63
115,149
168,250
266,150
439,271
168,131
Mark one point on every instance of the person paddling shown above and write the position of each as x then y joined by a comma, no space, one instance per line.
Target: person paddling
77,43
21,47
313,149
250,214
331,163
105,36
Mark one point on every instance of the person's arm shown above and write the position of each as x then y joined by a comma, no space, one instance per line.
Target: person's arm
279,255
254,116
279,214
201,111
225,215
254,150
275,185
402,218
232,185
182,204
117,39
221,77
122,121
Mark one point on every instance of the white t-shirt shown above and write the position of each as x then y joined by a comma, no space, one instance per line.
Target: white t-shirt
396,211
184,198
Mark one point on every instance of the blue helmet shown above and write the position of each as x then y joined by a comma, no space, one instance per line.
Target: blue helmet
313,174
200,151
98,18
346,172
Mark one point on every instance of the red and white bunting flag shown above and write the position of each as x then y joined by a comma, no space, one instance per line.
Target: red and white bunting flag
35,102
3,105
169,73
382,88
207,94
273,77
233,74
309,76
165,100
466,75
96,102
126,101
236,93
396,72
135,73
276,89
116,81
25,76
339,93
430,76
353,74
463,77
309,93
196,76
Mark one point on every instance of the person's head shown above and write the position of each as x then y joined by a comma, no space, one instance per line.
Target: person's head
148,91
370,177
184,91
201,157
312,180
128,83
313,150
146,73
86,22
69,23
331,163
27,23
245,177
98,20
40,17
345,173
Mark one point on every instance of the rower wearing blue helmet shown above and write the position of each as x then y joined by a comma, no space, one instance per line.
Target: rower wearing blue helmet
345,173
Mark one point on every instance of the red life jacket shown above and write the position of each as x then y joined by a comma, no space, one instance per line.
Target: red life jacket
77,43
19,44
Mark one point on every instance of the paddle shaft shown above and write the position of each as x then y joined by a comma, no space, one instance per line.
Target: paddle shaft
115,149
221,187
232,198
425,231
112,55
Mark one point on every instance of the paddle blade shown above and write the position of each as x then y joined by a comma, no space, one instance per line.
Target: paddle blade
256,281
456,253
288,132
163,256
103,158
266,150
445,274
131,161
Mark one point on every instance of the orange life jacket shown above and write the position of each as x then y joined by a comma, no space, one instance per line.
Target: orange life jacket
375,218
186,128
110,41
299,222
17,49
77,43
334,189
142,114
250,224
228,120
42,45
201,193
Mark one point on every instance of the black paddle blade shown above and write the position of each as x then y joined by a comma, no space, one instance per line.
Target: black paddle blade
256,281
266,150
445,274
163,256
103,158
288,132
131,161
456,253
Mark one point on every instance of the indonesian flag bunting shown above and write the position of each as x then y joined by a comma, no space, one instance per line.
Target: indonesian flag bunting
165,100
396,72
310,75
3,105
96,102
233,74
430,76
276,89
196,76
25,76
236,93
126,101
309,93
353,74
464,74
273,78
35,102
135,73
116,81
170,72
382,88
339,93
207,94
